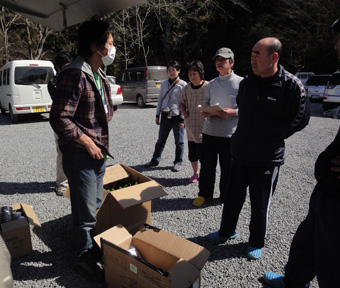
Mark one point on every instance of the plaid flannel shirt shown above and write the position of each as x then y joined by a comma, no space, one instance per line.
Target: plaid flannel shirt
78,106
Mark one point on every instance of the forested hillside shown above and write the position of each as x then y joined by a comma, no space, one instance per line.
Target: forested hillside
162,30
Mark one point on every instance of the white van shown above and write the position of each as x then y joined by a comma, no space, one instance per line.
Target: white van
23,87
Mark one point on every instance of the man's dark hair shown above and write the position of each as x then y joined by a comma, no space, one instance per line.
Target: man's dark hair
275,46
174,64
61,58
93,31
197,66
336,26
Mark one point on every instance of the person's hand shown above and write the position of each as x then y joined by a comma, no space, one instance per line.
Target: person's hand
205,114
91,148
95,152
183,110
337,167
157,120
226,113
181,125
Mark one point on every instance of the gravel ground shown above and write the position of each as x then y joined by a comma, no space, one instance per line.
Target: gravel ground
28,174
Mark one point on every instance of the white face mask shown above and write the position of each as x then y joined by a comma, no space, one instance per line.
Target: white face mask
111,54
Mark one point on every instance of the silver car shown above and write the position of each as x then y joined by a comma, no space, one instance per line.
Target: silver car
116,92
331,96
315,86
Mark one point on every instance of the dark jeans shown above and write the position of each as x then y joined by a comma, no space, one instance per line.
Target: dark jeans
85,179
315,247
262,182
165,127
213,149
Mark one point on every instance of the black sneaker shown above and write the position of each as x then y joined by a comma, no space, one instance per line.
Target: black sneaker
86,265
151,164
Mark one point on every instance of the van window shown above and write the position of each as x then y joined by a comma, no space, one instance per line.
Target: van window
317,80
157,74
335,79
32,75
6,77
139,75
129,76
121,77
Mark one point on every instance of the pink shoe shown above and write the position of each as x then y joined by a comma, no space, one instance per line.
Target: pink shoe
193,179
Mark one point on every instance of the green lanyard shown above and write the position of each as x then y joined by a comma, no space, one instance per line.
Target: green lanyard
99,86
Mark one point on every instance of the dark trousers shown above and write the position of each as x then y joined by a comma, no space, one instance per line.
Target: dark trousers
213,149
261,182
165,127
315,247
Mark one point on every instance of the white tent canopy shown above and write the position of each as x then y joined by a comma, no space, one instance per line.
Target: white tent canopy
58,14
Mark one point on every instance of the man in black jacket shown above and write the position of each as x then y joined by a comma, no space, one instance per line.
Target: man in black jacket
272,106
314,250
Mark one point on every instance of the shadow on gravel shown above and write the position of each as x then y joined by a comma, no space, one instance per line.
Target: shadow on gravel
162,204
8,188
222,251
127,105
24,119
54,265
166,182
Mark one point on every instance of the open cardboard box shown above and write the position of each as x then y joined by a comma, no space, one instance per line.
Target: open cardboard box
129,206
17,234
163,259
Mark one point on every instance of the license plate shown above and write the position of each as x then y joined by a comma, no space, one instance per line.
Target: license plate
315,97
38,109
158,85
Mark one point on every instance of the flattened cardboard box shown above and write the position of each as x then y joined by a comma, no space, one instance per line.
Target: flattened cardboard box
17,234
164,260
129,206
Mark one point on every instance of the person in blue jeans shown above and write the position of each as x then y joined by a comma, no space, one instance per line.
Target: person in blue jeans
80,113
169,117
315,247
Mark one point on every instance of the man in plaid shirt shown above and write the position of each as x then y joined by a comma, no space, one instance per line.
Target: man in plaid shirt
79,116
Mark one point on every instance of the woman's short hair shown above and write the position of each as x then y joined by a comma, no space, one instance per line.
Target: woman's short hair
174,64
197,66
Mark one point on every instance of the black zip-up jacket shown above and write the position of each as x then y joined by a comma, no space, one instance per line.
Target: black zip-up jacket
326,178
270,110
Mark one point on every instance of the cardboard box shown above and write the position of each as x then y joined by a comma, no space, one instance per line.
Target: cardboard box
163,259
129,206
17,234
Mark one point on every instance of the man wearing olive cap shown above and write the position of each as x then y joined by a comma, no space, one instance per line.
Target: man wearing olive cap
217,129
315,247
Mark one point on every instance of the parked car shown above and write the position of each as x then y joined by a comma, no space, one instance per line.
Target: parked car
331,96
116,92
141,85
315,86
303,76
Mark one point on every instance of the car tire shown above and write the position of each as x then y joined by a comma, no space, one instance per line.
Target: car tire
14,117
115,108
140,101
2,110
